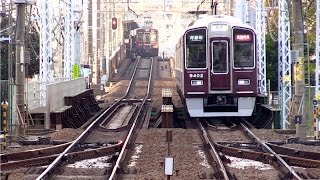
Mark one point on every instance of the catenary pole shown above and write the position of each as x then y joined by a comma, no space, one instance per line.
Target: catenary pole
20,66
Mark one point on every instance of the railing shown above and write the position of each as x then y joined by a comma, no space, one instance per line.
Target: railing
304,107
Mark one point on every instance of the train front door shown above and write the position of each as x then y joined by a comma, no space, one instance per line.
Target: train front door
219,65
147,44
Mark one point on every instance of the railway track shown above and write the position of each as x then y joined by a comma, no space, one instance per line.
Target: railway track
57,157
69,157
282,159
133,129
117,124
213,154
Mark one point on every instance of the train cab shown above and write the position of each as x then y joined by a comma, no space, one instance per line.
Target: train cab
218,67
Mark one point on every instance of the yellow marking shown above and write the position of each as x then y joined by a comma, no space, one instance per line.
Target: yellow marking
300,60
286,78
297,72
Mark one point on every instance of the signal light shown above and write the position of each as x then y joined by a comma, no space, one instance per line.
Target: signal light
114,23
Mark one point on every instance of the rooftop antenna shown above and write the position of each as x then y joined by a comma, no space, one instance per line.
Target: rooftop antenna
214,7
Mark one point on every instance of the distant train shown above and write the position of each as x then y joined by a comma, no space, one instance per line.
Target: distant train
216,67
144,42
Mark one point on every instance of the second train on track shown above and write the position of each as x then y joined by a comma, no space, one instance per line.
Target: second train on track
140,41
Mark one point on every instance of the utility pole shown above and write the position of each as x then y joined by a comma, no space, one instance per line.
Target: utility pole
299,82
20,68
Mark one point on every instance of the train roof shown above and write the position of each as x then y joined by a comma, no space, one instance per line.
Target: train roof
134,31
147,27
138,29
128,21
223,19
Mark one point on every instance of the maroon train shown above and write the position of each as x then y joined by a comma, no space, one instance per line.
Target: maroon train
144,42
216,67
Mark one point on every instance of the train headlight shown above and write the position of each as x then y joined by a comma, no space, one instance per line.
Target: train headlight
196,82
243,81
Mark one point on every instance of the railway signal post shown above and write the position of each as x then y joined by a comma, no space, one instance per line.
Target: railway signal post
169,162
167,109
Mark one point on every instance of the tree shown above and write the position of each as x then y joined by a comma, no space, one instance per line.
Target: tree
34,48
32,43
5,25
272,62
309,12
309,9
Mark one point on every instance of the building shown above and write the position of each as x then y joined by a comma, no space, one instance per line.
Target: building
100,42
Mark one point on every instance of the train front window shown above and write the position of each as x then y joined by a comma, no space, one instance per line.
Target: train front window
140,37
243,55
126,34
196,48
219,56
243,48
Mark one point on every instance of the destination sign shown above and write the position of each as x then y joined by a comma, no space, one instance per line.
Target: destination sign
243,37
196,38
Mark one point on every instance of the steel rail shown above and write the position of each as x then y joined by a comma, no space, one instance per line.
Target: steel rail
216,154
116,166
269,150
49,171
131,80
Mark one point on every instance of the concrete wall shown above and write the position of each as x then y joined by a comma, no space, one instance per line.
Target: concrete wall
33,94
55,92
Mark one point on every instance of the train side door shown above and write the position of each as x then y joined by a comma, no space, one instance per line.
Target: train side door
219,65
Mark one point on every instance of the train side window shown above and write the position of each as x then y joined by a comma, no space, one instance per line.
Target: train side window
196,54
219,56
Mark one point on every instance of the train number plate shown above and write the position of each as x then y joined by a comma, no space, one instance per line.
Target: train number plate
196,75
